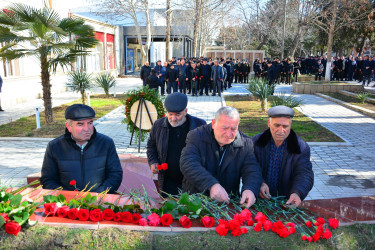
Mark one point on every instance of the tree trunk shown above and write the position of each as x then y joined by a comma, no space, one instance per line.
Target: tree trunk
331,32
46,84
197,21
168,32
148,29
138,31
297,38
83,97
265,37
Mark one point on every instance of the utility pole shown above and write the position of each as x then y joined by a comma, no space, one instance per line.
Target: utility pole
283,39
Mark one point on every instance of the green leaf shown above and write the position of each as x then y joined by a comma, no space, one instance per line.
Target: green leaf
24,204
50,198
17,219
2,221
170,205
183,210
174,213
25,215
93,199
15,200
184,199
195,204
73,203
61,198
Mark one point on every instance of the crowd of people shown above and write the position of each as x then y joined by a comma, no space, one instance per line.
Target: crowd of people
195,76
342,69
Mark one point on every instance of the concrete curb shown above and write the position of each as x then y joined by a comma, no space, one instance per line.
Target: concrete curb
26,139
347,93
364,111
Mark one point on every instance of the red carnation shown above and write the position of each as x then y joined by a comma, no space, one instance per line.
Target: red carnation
62,212
222,230
321,221
73,213
117,217
5,216
208,221
292,230
309,224
72,182
316,236
12,227
127,217
96,215
83,214
143,222
309,239
239,218
185,222
258,227
267,225
334,223
243,230
290,224
50,209
260,217
250,223
154,219
136,218
108,214
327,234
245,214
304,237
163,166
166,219
236,232
234,224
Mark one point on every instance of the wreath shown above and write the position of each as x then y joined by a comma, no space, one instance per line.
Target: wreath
134,95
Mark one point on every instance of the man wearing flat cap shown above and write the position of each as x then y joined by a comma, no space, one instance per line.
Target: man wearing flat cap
284,158
167,139
217,156
81,154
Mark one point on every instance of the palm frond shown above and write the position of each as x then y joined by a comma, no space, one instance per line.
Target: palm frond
105,81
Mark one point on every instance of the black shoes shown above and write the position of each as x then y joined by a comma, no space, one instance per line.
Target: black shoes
2,109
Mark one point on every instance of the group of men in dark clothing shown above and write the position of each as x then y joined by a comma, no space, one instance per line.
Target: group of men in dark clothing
195,76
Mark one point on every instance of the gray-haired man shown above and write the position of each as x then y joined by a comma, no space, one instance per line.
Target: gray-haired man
217,156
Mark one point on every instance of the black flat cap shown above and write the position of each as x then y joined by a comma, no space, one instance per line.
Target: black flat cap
78,112
280,111
176,102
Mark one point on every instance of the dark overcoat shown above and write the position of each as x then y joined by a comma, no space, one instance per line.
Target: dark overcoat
296,174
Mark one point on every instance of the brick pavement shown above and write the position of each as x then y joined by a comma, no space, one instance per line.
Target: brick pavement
341,169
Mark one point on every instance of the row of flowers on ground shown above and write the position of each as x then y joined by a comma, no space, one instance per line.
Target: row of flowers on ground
267,215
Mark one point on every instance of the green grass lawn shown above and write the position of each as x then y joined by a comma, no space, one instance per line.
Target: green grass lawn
359,236
26,126
254,121
352,100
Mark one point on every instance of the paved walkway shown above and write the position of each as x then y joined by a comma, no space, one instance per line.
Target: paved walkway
341,169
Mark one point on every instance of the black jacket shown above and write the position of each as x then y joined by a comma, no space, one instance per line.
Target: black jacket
171,75
157,144
145,72
200,163
153,82
97,164
296,174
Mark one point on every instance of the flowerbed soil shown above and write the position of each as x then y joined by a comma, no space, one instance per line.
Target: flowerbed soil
254,121
359,236
26,126
360,92
352,100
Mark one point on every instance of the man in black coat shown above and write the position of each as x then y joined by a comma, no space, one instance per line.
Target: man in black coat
205,74
145,72
284,158
167,138
217,156
153,81
366,69
81,154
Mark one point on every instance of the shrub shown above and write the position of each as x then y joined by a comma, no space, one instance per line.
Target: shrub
362,96
290,101
105,81
261,90
80,81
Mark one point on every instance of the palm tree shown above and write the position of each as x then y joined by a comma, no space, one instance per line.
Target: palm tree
261,90
80,81
43,34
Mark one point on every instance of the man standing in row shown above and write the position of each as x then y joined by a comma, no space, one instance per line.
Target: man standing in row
217,76
167,139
